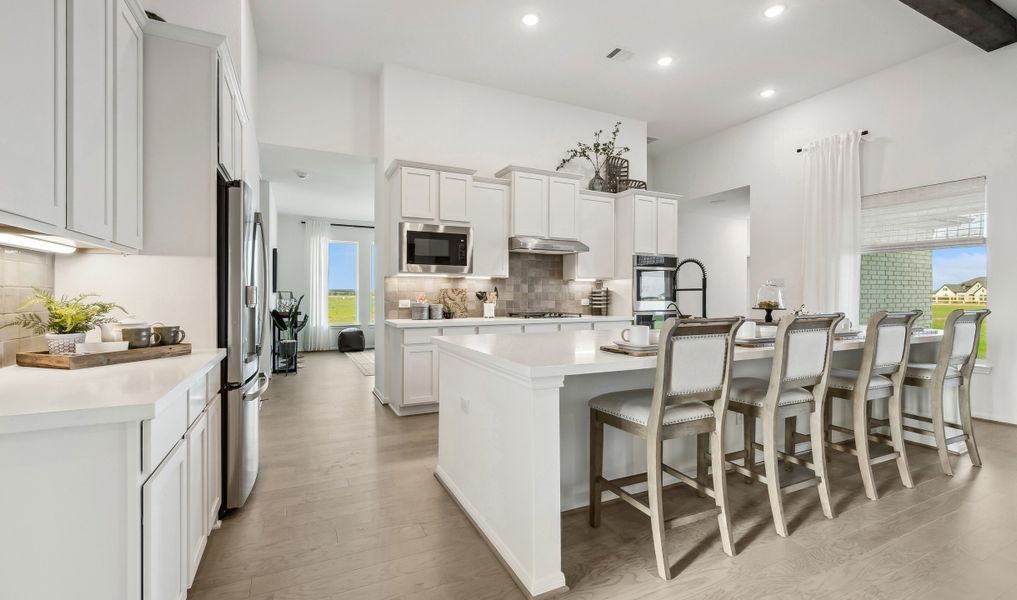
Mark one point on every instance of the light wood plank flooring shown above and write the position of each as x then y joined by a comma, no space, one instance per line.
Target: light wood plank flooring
346,506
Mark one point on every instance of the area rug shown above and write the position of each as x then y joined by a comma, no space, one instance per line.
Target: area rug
363,361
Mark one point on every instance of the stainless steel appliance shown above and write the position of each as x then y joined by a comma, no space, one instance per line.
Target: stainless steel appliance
425,248
653,282
242,306
540,314
536,245
654,320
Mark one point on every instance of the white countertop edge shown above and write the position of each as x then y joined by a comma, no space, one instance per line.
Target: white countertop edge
475,321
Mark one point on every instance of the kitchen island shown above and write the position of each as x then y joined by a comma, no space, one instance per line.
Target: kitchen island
513,433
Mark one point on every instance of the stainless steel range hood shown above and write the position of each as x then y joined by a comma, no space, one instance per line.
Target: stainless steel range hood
535,245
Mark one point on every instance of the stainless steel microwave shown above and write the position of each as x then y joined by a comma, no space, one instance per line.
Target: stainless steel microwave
426,248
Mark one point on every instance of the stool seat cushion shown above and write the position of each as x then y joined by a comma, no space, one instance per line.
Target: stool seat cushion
845,379
634,406
747,390
925,371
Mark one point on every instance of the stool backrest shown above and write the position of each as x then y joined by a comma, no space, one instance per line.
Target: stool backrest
961,335
887,346
694,359
801,355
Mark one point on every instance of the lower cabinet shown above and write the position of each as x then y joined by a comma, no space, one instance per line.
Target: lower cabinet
420,374
197,493
164,527
213,432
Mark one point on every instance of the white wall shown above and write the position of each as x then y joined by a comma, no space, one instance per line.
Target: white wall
720,239
318,108
293,274
944,116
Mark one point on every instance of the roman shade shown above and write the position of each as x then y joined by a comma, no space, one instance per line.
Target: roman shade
934,216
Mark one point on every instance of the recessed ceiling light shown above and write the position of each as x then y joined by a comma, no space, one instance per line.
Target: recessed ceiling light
767,93
530,19
774,11
665,61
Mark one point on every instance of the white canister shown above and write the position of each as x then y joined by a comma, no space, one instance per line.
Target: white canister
489,310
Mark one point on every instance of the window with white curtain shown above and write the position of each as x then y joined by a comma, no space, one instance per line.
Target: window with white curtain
925,248
342,283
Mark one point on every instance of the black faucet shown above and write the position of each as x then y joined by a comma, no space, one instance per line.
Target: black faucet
681,315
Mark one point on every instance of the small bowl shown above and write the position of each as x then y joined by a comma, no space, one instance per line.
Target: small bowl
100,347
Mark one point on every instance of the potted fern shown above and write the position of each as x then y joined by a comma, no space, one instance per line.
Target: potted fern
597,154
67,319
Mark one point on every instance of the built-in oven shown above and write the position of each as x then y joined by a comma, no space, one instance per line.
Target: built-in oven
653,282
426,248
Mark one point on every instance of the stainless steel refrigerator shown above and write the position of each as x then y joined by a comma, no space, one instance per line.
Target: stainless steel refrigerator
242,308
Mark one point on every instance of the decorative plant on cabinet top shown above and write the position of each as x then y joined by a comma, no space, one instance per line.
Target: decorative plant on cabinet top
597,154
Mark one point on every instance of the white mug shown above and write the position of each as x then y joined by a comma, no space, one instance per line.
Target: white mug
654,337
638,335
747,331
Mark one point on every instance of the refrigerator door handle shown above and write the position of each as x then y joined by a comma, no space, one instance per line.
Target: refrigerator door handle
260,233
260,391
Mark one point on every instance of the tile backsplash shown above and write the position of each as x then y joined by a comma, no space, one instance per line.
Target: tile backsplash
20,271
535,282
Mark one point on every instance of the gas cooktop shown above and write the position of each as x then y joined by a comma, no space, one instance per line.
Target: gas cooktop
537,314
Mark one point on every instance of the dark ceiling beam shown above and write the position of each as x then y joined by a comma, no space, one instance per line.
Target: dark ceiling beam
981,22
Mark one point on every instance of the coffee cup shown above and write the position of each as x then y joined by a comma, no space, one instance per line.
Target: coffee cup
169,334
139,337
747,331
654,337
637,335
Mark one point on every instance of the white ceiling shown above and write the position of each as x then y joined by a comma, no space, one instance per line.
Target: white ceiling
725,51
337,186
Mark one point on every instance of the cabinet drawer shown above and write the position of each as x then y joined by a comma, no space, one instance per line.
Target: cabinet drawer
420,336
460,330
500,329
159,435
197,398
576,326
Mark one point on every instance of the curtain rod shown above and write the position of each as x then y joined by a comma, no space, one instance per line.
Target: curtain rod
345,225
864,132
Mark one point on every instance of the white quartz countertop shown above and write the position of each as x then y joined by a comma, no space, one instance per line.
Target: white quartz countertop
407,323
36,398
578,352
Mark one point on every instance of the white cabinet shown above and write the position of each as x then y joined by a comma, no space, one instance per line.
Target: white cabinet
644,222
596,230
213,431
33,38
419,197
230,119
127,197
454,197
164,528
420,374
226,111
490,229
196,441
576,326
540,328
563,208
667,226
529,204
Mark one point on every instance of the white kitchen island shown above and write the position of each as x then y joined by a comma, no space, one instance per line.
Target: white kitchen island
513,433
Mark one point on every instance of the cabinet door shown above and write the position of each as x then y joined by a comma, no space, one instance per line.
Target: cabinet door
164,529
127,193
226,112
667,227
529,204
490,229
420,375
454,196
644,224
238,146
197,491
214,433
596,230
89,118
563,208
33,104
419,191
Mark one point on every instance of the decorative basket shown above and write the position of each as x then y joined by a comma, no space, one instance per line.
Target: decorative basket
617,170
630,184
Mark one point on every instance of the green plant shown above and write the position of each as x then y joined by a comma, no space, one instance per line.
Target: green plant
597,152
288,322
65,315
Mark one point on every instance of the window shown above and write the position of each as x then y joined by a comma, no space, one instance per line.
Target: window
342,283
924,248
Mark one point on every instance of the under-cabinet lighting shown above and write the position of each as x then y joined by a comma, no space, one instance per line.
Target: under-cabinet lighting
774,11
33,243
477,277
530,19
584,280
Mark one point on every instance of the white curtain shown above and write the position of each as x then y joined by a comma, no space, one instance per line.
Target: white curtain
832,238
316,334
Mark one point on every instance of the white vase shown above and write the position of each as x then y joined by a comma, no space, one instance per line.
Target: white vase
63,343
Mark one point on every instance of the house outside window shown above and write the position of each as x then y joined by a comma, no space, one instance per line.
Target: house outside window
342,283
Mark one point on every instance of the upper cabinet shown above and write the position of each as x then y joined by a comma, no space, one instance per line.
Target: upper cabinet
647,223
71,162
489,207
544,204
596,230
230,119
435,193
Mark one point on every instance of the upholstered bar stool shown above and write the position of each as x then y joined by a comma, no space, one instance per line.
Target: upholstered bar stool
693,368
879,376
797,387
953,367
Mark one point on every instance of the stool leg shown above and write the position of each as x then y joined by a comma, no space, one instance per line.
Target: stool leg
702,463
819,462
860,410
720,491
895,406
964,395
749,433
596,466
939,428
773,474
654,482
790,427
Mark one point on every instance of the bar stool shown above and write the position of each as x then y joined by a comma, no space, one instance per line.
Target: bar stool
953,367
880,375
797,387
693,368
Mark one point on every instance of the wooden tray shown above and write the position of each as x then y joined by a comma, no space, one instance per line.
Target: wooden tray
85,361
618,350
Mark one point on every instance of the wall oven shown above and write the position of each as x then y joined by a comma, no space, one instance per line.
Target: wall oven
426,248
653,282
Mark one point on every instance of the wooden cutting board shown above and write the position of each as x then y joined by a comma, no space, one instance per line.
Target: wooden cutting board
617,350
86,361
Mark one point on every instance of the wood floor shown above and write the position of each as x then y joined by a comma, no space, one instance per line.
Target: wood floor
346,506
